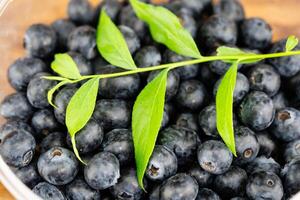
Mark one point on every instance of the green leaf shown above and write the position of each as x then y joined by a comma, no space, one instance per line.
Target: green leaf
165,28
112,45
81,108
65,66
230,51
147,117
53,90
224,107
291,43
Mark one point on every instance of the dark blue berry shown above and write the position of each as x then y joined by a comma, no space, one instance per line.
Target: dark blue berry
286,126
112,113
48,191
290,175
89,138
231,9
280,101
44,122
172,82
162,164
40,41
83,40
63,28
204,178
187,20
132,40
17,147
187,120
127,187
214,157
256,33
154,194
263,164
80,11
56,139
102,171
292,150
22,70
207,194
182,141
191,95
37,90
196,6
181,186
207,121
167,116
84,66
218,30
267,144
120,143
232,183
16,106
264,185
58,166
112,8
28,175
79,190
257,111
219,67
147,56
16,125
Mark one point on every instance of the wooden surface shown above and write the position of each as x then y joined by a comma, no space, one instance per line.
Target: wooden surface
284,16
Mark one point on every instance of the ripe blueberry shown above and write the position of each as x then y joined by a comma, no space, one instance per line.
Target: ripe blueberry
56,139
44,122
48,191
79,190
63,28
132,40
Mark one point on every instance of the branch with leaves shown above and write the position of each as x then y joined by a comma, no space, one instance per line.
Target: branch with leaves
147,112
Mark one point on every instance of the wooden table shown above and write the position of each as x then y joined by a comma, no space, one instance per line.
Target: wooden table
284,16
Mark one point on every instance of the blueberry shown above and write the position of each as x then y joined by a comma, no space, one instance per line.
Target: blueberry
28,175
44,122
280,101
187,120
286,66
127,187
187,20
40,41
256,33
16,125
61,101
290,175
154,194
55,139
162,164
264,78
167,115
247,146
128,18
263,164
207,121
89,138
257,111
180,186
58,166
84,66
22,70
232,183
83,40
207,194
48,191
63,28
232,9
219,67
204,178
37,90
120,143
102,171
292,150
181,140
267,144
264,185
124,87
112,8
239,198
186,72
80,11
196,6
79,190
242,87
214,157
16,106
132,40
218,30
172,83
191,94
112,113
147,56
286,126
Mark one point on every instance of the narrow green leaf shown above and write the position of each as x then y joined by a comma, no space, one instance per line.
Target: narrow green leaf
230,51
65,66
53,90
112,45
81,108
54,78
291,43
165,28
224,107
147,117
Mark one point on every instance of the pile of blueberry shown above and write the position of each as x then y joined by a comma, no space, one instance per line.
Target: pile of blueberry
190,161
